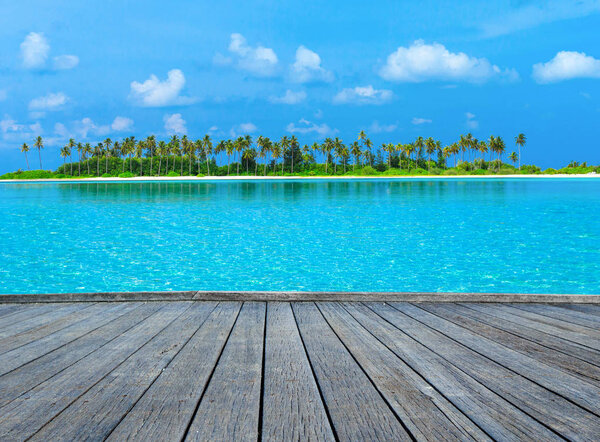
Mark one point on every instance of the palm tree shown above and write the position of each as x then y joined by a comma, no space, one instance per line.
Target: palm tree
80,151
500,147
513,157
64,154
409,149
520,141
355,151
293,146
229,148
483,148
182,151
419,145
139,154
208,147
39,145
107,144
151,144
162,148
87,150
276,151
68,153
25,149
430,147
98,151
71,146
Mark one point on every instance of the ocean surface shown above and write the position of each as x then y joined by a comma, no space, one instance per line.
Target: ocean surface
475,235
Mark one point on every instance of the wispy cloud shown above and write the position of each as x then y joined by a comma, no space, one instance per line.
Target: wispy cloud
290,97
305,127
259,60
530,14
471,122
377,128
363,95
175,124
418,121
50,102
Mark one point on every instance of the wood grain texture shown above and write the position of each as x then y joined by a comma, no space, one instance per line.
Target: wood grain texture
357,410
425,412
25,415
547,407
541,353
292,405
167,408
28,376
102,407
230,406
571,316
490,411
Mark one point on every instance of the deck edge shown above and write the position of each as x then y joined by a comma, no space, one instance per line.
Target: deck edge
302,296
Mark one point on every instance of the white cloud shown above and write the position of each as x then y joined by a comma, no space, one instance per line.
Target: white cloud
417,121
290,97
471,123
120,124
49,102
529,14
34,50
64,62
259,61
363,95
87,126
242,129
305,127
307,67
422,62
156,93
567,65
174,124
16,132
377,128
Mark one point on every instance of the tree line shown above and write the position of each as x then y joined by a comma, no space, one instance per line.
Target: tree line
181,155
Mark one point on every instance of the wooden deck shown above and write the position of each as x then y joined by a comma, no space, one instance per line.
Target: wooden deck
227,370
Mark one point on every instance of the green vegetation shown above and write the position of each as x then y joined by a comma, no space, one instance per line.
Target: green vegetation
246,157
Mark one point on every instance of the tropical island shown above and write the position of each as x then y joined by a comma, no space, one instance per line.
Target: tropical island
245,156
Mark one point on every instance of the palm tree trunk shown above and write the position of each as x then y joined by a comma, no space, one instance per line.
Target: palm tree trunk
26,161
71,162
98,166
159,164
40,154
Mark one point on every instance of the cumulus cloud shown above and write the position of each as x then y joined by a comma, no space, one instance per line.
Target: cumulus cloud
305,127
49,102
258,60
418,121
156,93
423,62
377,128
120,124
64,62
307,67
567,65
242,129
34,50
13,131
363,95
87,126
290,97
174,124
471,123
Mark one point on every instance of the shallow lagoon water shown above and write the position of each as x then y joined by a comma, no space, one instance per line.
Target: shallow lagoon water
475,235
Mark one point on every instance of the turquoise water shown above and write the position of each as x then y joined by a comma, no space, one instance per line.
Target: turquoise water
482,235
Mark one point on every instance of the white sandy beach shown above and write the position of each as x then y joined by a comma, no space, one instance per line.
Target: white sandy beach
279,178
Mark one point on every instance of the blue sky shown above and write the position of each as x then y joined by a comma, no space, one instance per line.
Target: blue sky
396,69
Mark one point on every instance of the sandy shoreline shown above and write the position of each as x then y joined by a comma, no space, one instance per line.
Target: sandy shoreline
297,178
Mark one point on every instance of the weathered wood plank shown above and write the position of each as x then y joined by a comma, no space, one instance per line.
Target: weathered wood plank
96,412
357,410
549,408
230,406
503,321
167,408
510,315
292,406
19,356
577,367
31,311
570,316
39,319
579,391
426,413
585,308
9,309
492,413
36,333
26,377
25,415
548,320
